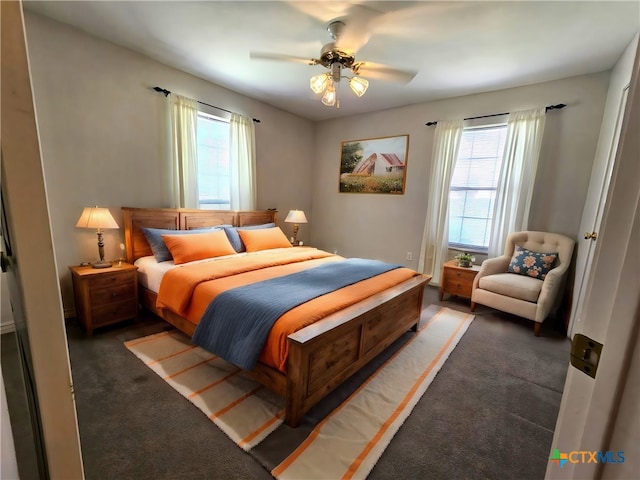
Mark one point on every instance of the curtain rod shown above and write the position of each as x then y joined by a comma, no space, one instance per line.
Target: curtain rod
550,107
168,92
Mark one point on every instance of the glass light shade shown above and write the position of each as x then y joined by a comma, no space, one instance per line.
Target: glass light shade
296,216
319,82
96,218
358,85
329,97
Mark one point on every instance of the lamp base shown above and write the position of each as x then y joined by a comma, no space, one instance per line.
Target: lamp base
101,264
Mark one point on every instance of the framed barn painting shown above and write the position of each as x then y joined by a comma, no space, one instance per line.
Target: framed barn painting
374,165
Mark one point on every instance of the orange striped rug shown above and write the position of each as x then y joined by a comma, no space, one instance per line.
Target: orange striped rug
242,408
352,436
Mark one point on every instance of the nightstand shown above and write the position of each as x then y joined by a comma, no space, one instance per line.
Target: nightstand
457,280
105,295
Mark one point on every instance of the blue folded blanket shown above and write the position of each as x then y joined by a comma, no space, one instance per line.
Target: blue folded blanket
237,322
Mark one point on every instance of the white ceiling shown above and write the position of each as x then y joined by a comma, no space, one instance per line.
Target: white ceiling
458,48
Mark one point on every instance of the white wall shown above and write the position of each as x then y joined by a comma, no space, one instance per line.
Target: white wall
102,144
388,226
101,136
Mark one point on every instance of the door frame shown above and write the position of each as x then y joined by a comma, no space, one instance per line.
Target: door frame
33,265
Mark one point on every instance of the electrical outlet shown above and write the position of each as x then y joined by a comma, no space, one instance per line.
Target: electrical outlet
409,256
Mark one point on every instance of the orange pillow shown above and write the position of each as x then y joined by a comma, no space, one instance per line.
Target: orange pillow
264,239
197,246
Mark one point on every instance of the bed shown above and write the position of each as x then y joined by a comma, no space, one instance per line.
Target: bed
320,356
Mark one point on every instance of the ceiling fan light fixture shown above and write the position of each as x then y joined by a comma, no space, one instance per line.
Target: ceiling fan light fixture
319,82
358,85
329,97
338,57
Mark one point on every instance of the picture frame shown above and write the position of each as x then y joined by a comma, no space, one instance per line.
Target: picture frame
374,165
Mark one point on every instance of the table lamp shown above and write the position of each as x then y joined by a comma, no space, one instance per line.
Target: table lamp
97,218
295,217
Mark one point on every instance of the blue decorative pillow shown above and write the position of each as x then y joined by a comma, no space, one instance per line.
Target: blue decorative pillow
532,264
158,247
234,237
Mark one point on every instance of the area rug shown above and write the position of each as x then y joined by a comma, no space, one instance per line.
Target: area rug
350,428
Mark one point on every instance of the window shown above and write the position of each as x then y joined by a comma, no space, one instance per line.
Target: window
214,174
473,187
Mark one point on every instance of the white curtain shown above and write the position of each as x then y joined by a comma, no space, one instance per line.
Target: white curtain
517,176
243,163
435,240
182,114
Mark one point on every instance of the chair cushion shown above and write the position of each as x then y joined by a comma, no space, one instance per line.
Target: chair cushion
511,285
532,264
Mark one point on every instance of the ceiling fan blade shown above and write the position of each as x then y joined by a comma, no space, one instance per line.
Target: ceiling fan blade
383,72
321,11
282,58
358,27
353,39
395,23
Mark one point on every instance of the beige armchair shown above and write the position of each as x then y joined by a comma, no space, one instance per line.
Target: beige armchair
522,294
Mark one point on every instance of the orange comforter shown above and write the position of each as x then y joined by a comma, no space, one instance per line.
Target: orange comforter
188,290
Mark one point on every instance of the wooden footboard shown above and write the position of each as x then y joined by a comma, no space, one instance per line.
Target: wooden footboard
328,352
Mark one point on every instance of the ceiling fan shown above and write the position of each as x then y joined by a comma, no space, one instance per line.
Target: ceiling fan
337,56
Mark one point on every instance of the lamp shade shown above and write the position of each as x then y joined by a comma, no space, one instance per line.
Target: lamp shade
96,218
296,216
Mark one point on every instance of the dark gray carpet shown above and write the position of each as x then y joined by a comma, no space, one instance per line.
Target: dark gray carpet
489,413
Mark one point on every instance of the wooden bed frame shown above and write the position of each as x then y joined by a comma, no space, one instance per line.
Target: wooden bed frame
321,355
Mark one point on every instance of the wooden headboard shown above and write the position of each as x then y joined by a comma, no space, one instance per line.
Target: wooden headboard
181,219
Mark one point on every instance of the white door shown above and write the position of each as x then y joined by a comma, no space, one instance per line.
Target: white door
589,406
32,274
592,218
599,182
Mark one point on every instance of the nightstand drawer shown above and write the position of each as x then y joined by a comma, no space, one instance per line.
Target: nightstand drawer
114,312
462,275
458,287
121,291
112,279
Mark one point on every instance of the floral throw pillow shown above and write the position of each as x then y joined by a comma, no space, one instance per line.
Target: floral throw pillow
532,264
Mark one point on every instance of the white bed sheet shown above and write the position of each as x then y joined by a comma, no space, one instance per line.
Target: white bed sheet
150,271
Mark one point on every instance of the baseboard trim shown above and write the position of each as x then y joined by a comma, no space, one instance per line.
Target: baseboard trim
7,328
